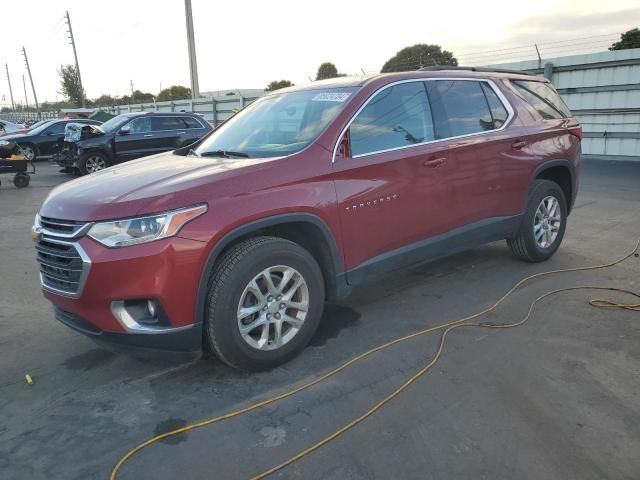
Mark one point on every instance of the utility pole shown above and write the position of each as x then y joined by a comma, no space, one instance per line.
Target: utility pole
33,89
539,57
24,85
75,55
13,105
193,66
131,83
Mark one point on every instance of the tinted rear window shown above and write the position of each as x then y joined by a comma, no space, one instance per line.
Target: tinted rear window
498,111
542,97
459,108
160,124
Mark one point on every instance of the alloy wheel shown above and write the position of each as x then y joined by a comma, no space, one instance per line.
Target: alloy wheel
547,221
273,307
95,163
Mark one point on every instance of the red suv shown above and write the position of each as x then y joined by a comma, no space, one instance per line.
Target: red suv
235,242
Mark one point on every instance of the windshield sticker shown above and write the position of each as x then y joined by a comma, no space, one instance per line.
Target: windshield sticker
331,97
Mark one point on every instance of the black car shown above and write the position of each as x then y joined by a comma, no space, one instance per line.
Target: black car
129,136
44,140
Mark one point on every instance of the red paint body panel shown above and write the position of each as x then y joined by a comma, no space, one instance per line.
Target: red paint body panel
371,205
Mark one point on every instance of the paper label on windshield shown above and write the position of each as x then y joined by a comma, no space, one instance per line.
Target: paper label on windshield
331,97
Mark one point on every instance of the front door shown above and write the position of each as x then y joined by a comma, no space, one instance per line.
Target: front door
135,139
392,185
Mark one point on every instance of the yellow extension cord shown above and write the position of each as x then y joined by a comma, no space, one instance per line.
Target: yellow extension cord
447,327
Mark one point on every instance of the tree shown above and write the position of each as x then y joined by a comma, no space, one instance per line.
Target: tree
629,39
70,84
105,101
174,92
418,56
278,84
327,70
141,97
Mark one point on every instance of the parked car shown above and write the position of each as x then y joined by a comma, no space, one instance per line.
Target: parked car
129,136
7,127
44,140
237,241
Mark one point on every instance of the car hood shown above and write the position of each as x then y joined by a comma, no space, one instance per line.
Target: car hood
14,136
148,185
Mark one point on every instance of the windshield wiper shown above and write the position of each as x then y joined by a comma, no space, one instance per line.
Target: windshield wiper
224,153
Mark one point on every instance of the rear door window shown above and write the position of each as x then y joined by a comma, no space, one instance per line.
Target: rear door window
459,108
542,97
398,116
161,124
498,111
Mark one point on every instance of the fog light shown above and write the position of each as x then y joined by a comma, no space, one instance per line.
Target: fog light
151,307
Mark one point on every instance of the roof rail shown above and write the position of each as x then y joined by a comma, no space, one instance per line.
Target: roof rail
474,69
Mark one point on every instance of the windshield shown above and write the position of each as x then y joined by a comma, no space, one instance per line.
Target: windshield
40,128
277,125
113,124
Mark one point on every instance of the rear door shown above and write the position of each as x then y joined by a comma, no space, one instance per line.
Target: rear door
136,141
194,130
393,187
469,118
167,132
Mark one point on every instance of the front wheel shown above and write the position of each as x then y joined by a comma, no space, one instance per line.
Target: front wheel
543,224
28,152
92,162
265,301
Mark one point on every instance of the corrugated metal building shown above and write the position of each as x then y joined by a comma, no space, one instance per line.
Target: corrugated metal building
603,91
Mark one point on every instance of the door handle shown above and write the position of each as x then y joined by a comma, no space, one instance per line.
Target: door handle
519,144
434,162
148,135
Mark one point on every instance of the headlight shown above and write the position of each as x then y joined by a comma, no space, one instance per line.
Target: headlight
131,231
4,143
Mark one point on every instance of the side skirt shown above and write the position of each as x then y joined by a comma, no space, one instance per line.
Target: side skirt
460,239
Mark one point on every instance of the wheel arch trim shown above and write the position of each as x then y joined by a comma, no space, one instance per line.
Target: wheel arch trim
558,163
259,224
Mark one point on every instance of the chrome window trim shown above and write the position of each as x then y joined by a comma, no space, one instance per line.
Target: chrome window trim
490,82
86,266
179,130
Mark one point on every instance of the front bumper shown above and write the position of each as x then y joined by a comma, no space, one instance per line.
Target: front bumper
167,271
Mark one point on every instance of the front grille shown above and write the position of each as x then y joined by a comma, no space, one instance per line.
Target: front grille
61,265
65,227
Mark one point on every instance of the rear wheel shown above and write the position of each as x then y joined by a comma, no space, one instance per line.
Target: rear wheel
543,224
265,301
92,162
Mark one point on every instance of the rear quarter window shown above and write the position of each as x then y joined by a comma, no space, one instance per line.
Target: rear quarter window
542,97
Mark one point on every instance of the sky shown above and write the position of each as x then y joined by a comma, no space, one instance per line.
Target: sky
247,44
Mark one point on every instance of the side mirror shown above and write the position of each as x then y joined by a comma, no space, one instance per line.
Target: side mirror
126,130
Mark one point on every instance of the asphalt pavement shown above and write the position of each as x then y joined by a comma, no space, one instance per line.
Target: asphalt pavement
558,398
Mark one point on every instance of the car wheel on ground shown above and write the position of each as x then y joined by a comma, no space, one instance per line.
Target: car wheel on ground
28,151
92,162
543,223
265,301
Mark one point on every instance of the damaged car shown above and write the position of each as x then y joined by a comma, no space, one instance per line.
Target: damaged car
91,148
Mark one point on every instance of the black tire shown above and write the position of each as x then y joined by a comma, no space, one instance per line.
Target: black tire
524,245
233,272
21,180
91,162
28,150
